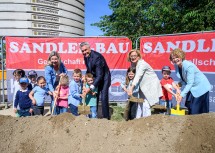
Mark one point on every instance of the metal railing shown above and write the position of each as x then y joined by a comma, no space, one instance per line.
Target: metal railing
3,79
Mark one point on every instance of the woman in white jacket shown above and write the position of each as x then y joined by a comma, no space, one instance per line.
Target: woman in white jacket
149,85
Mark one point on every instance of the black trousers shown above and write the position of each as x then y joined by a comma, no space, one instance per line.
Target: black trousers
103,89
132,110
38,110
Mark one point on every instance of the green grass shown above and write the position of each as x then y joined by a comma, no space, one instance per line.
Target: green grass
117,113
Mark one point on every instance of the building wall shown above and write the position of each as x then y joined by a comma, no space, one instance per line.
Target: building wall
42,18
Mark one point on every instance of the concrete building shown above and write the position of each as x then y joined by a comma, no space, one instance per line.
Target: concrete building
42,18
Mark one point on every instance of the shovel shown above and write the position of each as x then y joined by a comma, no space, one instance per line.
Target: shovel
177,111
84,109
128,106
135,99
55,100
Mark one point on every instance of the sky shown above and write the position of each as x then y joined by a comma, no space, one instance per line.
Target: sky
94,9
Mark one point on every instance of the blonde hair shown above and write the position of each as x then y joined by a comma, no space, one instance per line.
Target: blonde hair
89,75
77,71
177,53
53,53
64,80
131,51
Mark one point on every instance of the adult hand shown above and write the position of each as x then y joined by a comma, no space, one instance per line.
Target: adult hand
62,74
93,93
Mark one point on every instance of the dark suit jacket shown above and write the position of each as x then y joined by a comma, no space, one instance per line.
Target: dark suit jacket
98,67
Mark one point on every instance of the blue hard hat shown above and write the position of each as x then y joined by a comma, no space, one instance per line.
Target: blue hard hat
23,80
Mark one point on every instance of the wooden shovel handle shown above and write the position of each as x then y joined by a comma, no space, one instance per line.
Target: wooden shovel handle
55,98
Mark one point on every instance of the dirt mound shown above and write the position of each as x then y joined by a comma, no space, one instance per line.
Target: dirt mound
66,133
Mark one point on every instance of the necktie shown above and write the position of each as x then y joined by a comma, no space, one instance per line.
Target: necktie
88,63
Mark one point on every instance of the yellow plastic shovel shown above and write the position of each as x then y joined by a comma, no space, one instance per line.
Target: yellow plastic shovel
177,111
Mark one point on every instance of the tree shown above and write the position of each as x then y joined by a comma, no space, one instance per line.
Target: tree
197,15
134,18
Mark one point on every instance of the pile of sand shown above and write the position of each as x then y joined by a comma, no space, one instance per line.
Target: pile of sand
68,134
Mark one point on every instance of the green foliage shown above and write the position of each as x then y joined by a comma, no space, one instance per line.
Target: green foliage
117,113
134,18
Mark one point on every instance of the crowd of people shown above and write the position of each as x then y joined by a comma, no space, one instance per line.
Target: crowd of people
141,82
64,94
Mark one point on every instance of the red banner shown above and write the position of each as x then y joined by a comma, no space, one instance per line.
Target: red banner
199,48
32,53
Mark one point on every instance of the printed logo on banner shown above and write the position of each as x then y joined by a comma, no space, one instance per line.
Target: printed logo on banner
115,88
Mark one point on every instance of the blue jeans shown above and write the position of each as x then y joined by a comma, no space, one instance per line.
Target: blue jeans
60,110
167,104
73,109
93,110
24,112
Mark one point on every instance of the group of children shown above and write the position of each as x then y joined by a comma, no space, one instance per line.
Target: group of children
30,92
167,84
29,96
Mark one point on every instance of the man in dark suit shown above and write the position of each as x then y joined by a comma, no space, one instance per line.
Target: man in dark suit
96,65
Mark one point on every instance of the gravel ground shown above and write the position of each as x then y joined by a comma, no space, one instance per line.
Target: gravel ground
8,111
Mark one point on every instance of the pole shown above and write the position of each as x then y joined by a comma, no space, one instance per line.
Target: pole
136,42
2,54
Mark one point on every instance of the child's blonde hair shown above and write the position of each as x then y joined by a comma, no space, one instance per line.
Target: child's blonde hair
89,75
64,80
77,71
